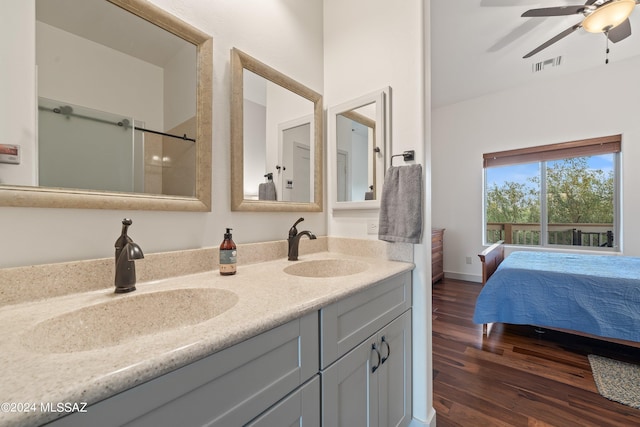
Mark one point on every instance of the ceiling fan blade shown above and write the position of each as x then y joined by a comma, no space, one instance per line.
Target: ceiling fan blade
551,41
620,32
554,11
590,2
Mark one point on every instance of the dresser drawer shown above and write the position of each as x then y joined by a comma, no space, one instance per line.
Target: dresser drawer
437,254
436,239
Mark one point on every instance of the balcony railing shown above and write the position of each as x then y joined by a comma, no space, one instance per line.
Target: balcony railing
592,235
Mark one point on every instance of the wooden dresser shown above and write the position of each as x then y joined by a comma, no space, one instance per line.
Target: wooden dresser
437,257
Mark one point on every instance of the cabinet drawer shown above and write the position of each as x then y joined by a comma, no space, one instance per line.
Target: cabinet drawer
230,387
348,322
301,408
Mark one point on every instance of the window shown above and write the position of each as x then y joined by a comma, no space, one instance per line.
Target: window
560,194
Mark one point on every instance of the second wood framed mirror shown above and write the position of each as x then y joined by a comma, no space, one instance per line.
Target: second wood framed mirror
276,140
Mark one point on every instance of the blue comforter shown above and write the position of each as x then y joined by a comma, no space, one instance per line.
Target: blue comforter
596,294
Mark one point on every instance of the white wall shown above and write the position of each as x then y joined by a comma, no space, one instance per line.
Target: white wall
371,44
75,70
603,101
50,235
254,149
180,87
17,86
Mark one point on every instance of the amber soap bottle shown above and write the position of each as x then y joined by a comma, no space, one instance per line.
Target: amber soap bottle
228,255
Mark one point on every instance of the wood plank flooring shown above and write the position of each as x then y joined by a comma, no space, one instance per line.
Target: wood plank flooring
517,376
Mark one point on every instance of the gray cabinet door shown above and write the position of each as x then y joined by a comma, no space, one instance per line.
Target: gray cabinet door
371,385
350,389
394,385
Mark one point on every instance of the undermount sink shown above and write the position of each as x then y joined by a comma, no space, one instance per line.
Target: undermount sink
326,268
127,316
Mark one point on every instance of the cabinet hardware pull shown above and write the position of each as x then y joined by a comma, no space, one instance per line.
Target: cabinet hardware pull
383,341
375,368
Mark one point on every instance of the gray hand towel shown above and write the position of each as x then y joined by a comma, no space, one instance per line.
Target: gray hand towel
267,191
401,205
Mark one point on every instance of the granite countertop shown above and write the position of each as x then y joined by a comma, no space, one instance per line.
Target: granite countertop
267,297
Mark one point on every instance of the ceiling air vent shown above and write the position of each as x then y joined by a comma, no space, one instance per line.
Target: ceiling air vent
540,66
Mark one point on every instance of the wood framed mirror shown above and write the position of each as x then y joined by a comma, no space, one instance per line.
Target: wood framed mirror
276,140
137,14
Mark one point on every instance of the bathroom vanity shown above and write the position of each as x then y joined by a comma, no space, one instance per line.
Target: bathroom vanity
326,343
273,379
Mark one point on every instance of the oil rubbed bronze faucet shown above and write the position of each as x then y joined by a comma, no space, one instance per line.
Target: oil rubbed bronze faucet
126,253
294,239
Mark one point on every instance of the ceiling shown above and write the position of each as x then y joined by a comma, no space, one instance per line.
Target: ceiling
477,46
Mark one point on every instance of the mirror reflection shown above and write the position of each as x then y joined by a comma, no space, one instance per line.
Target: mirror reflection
276,140
124,106
356,154
117,101
359,137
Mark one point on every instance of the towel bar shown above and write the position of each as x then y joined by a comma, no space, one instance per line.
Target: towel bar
407,156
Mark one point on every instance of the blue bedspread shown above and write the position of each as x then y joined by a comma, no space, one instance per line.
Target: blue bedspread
596,294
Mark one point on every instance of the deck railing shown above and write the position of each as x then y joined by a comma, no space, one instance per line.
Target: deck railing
579,234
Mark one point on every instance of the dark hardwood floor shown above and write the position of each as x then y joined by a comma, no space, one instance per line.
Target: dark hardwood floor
516,376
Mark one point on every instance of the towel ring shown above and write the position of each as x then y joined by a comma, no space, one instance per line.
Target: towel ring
407,156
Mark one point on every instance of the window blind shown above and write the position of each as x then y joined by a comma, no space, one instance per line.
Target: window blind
563,150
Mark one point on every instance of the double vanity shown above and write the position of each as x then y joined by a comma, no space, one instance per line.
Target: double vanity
324,340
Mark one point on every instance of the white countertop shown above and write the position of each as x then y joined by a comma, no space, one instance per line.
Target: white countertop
267,297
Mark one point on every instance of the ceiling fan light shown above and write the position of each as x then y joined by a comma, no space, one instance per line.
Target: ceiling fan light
608,16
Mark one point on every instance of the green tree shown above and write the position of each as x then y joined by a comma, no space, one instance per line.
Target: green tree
513,202
576,193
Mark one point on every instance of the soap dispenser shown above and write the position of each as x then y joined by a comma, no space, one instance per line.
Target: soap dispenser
228,255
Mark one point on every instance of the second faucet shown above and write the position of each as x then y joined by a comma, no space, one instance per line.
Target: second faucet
294,239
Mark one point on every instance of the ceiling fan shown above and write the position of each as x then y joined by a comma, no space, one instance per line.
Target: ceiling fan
610,17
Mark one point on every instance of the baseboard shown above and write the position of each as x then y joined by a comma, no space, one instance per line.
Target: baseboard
463,276
429,423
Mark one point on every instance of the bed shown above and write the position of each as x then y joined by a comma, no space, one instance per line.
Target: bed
594,295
